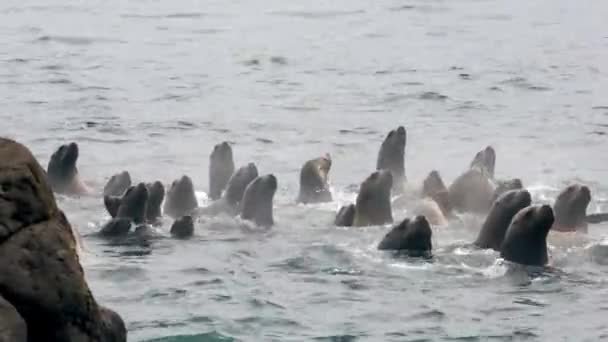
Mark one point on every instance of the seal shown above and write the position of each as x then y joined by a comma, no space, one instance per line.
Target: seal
230,202
118,184
570,209
183,227
412,236
257,201
431,210
503,186
434,188
131,210
156,195
471,192
40,272
391,157
525,241
498,220
180,199
345,216
485,162
373,204
62,172
221,168
314,185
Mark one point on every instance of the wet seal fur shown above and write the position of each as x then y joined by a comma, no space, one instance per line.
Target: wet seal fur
498,220
221,168
391,157
180,198
314,184
257,201
62,172
525,241
411,236
40,273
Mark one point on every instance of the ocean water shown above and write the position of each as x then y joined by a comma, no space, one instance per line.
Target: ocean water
150,86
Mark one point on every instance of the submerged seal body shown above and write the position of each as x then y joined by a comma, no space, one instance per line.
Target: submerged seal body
525,241
257,201
314,185
180,198
391,157
62,172
221,168
498,220
373,204
411,235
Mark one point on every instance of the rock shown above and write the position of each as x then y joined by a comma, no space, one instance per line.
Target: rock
40,272
12,325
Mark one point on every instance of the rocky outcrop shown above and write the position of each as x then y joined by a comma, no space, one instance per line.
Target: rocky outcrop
40,273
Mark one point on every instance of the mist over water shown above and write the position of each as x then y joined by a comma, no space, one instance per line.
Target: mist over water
151,86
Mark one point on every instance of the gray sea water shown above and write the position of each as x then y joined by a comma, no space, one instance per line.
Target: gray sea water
150,86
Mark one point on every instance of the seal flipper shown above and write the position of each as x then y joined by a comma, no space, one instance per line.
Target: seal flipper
597,218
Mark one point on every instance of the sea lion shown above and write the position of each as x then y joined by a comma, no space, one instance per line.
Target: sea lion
62,172
156,195
501,213
391,157
180,199
131,210
434,188
118,184
112,203
314,185
431,210
134,204
345,216
233,195
503,186
525,241
183,227
257,201
485,161
412,236
373,204
221,168
570,209
471,192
